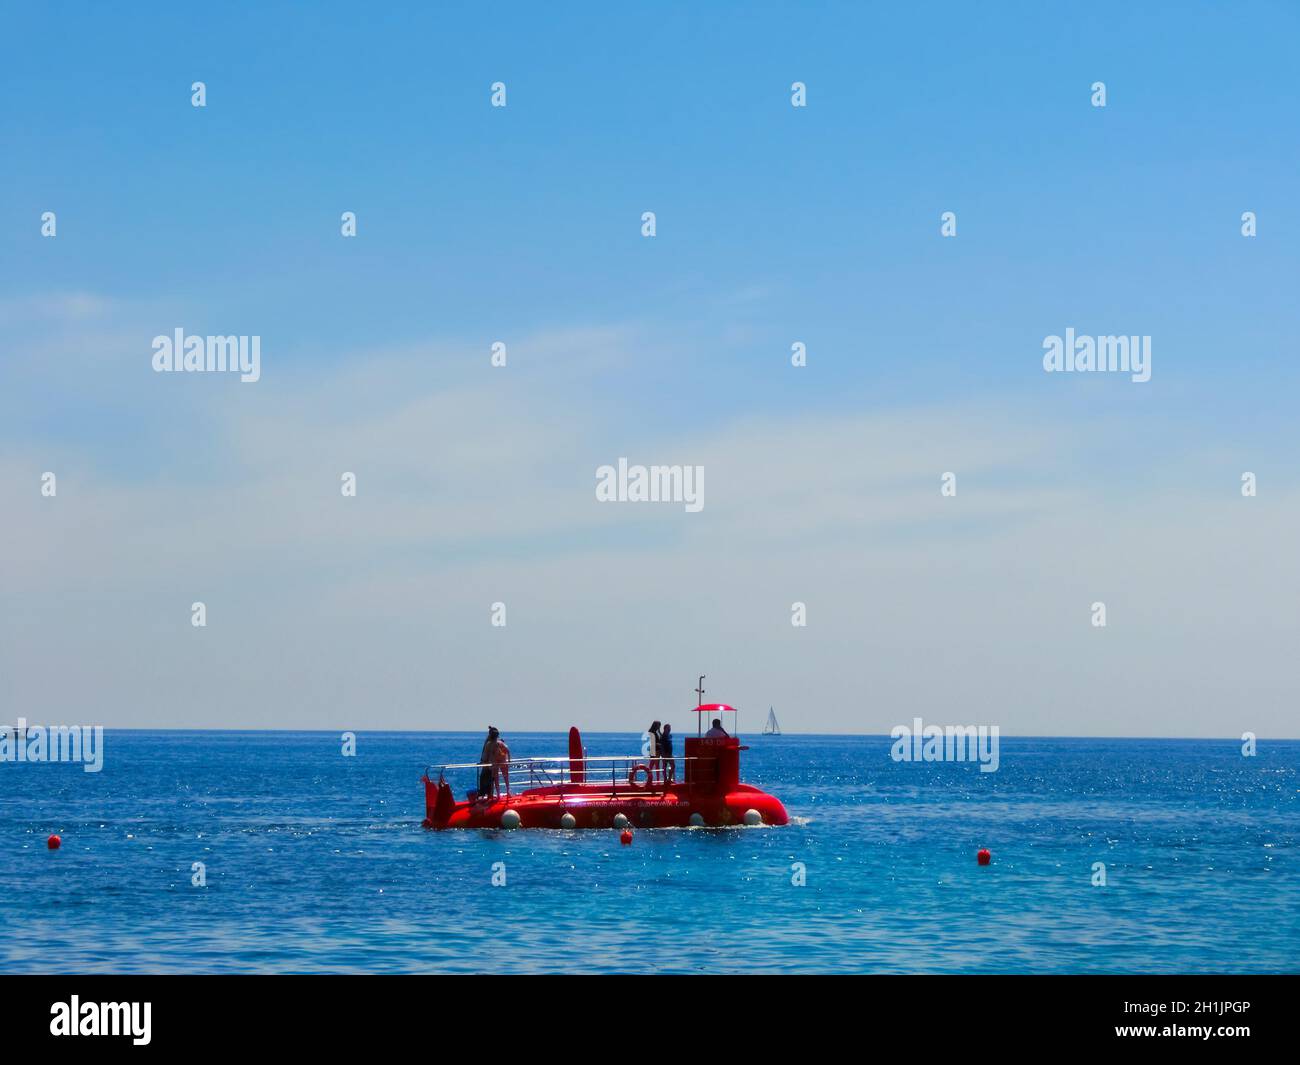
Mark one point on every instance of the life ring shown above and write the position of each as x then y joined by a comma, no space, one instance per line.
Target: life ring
637,769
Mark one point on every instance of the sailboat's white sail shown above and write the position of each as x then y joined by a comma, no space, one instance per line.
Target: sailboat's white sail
771,728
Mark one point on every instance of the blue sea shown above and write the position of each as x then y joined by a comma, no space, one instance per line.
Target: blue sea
316,862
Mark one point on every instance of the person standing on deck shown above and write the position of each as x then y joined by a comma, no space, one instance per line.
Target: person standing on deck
651,749
500,765
666,755
486,772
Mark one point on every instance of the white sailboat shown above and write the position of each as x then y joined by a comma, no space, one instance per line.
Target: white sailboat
771,728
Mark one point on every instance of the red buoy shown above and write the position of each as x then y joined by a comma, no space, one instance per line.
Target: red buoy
625,837
54,843
984,857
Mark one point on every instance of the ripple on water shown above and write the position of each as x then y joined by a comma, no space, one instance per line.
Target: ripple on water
317,863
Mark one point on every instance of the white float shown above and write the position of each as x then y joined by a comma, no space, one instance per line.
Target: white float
697,820
620,821
753,817
568,821
510,819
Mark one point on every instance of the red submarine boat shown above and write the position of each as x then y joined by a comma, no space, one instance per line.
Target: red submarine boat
700,789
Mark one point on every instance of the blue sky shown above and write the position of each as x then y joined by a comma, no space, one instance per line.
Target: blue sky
775,224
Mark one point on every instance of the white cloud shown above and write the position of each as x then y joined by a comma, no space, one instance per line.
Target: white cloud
477,485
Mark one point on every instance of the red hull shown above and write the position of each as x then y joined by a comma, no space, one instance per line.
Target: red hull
593,806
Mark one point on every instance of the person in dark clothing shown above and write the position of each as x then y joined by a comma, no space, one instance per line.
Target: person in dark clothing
486,771
717,730
666,754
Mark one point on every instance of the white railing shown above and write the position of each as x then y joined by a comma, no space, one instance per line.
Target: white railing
612,771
